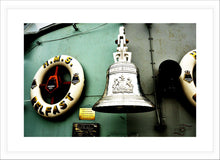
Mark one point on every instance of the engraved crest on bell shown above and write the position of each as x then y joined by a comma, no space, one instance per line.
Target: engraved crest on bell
122,85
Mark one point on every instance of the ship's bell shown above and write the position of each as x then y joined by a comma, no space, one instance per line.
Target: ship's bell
122,91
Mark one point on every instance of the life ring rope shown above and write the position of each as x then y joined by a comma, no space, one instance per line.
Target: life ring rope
72,96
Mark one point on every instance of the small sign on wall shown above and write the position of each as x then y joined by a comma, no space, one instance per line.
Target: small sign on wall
86,114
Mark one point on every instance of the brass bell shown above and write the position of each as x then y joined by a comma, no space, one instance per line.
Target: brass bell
122,91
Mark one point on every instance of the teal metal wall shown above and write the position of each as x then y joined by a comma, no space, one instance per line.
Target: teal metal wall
93,49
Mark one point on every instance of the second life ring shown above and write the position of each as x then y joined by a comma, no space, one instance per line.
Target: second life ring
187,64
54,84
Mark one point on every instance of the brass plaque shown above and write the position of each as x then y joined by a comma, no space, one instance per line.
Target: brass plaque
85,130
86,114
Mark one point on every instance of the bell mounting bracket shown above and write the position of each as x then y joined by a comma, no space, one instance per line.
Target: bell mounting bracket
122,54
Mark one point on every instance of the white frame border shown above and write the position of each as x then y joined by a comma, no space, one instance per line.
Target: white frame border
16,146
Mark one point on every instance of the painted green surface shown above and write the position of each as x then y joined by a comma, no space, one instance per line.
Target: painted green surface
93,46
94,51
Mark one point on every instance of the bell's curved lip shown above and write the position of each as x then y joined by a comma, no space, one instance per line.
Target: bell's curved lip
123,109
123,104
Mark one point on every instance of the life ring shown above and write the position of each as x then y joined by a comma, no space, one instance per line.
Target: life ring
53,83
187,64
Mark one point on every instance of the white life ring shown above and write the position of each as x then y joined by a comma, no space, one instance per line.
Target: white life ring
76,86
186,78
